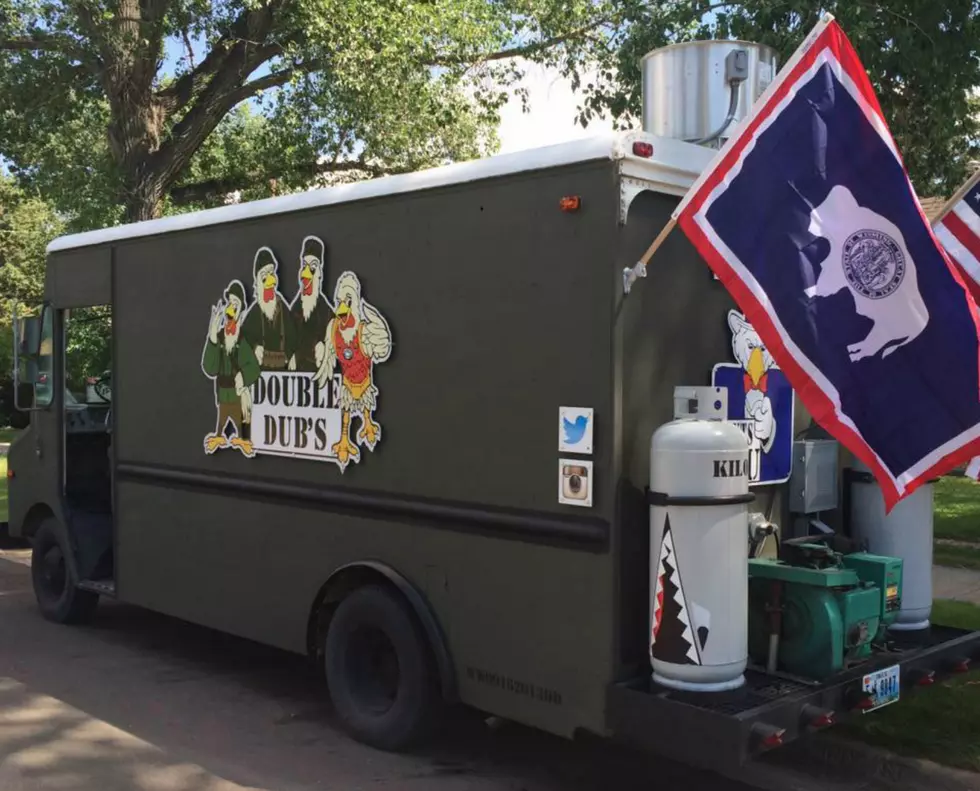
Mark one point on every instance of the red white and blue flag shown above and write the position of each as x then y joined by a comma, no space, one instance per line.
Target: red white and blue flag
958,229
808,218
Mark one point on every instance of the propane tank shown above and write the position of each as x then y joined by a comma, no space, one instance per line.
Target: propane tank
905,533
699,496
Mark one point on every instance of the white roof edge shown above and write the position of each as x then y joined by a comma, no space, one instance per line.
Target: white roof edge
606,146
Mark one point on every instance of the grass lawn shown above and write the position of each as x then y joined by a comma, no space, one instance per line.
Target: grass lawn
957,508
940,723
956,556
8,434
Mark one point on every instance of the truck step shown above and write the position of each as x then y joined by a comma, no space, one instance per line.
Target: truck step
102,587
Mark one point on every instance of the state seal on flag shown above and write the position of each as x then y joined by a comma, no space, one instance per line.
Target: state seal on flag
873,263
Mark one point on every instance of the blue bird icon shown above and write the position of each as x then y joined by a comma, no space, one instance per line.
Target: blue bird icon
574,431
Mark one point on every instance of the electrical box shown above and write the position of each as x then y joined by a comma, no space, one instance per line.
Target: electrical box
737,65
813,483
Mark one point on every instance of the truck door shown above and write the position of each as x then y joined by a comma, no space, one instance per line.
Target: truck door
35,470
87,409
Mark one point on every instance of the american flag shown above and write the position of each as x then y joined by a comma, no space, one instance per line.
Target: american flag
958,230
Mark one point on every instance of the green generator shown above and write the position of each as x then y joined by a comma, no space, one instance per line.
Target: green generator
816,611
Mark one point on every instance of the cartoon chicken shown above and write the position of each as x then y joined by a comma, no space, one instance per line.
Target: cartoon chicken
268,327
228,359
310,310
356,339
756,361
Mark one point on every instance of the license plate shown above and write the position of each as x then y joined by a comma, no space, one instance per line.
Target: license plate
883,686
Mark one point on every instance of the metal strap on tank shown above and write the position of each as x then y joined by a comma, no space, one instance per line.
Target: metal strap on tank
661,499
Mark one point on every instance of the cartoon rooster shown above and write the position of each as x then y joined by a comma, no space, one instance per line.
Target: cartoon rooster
310,311
756,361
228,359
356,339
268,326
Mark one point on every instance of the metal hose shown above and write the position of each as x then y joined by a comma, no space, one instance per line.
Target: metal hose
732,106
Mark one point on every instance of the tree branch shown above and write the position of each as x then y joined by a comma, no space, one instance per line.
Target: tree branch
203,191
219,94
521,51
183,91
273,80
39,41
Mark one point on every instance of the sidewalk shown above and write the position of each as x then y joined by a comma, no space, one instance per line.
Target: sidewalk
959,584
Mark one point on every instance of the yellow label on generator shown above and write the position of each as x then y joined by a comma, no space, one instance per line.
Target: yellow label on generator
892,591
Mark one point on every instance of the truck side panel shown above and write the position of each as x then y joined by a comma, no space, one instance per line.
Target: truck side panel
500,309
672,331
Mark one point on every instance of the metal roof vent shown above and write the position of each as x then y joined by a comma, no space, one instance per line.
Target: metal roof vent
699,91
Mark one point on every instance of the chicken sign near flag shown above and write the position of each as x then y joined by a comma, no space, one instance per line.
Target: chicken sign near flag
808,218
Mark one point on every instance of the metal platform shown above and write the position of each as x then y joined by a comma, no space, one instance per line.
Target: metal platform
769,711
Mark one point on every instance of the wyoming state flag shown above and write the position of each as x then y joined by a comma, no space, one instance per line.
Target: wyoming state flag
808,218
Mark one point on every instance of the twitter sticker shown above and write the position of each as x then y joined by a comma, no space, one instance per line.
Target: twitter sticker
575,429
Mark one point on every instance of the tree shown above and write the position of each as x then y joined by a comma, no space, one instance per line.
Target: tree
923,58
27,224
340,86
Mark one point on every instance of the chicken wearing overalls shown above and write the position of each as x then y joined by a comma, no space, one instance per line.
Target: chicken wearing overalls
357,337
268,327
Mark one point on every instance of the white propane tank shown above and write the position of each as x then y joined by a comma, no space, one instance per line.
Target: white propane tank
905,533
699,496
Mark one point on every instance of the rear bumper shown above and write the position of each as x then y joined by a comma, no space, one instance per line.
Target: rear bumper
725,730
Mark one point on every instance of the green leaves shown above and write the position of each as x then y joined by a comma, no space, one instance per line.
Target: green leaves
27,224
91,122
923,58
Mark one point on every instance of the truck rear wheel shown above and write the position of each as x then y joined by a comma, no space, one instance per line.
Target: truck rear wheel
53,575
380,671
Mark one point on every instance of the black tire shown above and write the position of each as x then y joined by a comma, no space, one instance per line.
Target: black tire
55,579
380,671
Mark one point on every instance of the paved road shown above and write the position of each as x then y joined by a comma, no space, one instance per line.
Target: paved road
140,702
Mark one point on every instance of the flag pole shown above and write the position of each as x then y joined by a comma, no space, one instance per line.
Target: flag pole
630,274
957,197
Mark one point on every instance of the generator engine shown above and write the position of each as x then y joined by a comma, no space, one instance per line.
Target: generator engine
816,611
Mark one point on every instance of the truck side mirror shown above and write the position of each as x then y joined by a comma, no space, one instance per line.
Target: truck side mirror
29,342
24,397
29,335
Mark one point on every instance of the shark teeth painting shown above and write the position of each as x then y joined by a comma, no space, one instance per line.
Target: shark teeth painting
673,637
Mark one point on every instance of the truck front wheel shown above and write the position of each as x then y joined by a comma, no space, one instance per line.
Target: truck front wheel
379,670
53,575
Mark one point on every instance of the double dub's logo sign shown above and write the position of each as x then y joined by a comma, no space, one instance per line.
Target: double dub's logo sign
295,378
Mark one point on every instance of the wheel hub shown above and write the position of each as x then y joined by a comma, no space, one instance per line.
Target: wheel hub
54,573
372,666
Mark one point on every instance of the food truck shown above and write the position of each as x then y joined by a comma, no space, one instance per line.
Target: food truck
435,432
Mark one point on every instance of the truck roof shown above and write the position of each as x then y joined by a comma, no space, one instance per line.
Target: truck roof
673,156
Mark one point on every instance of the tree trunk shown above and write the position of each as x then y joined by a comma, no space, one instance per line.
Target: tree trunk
142,200
137,117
